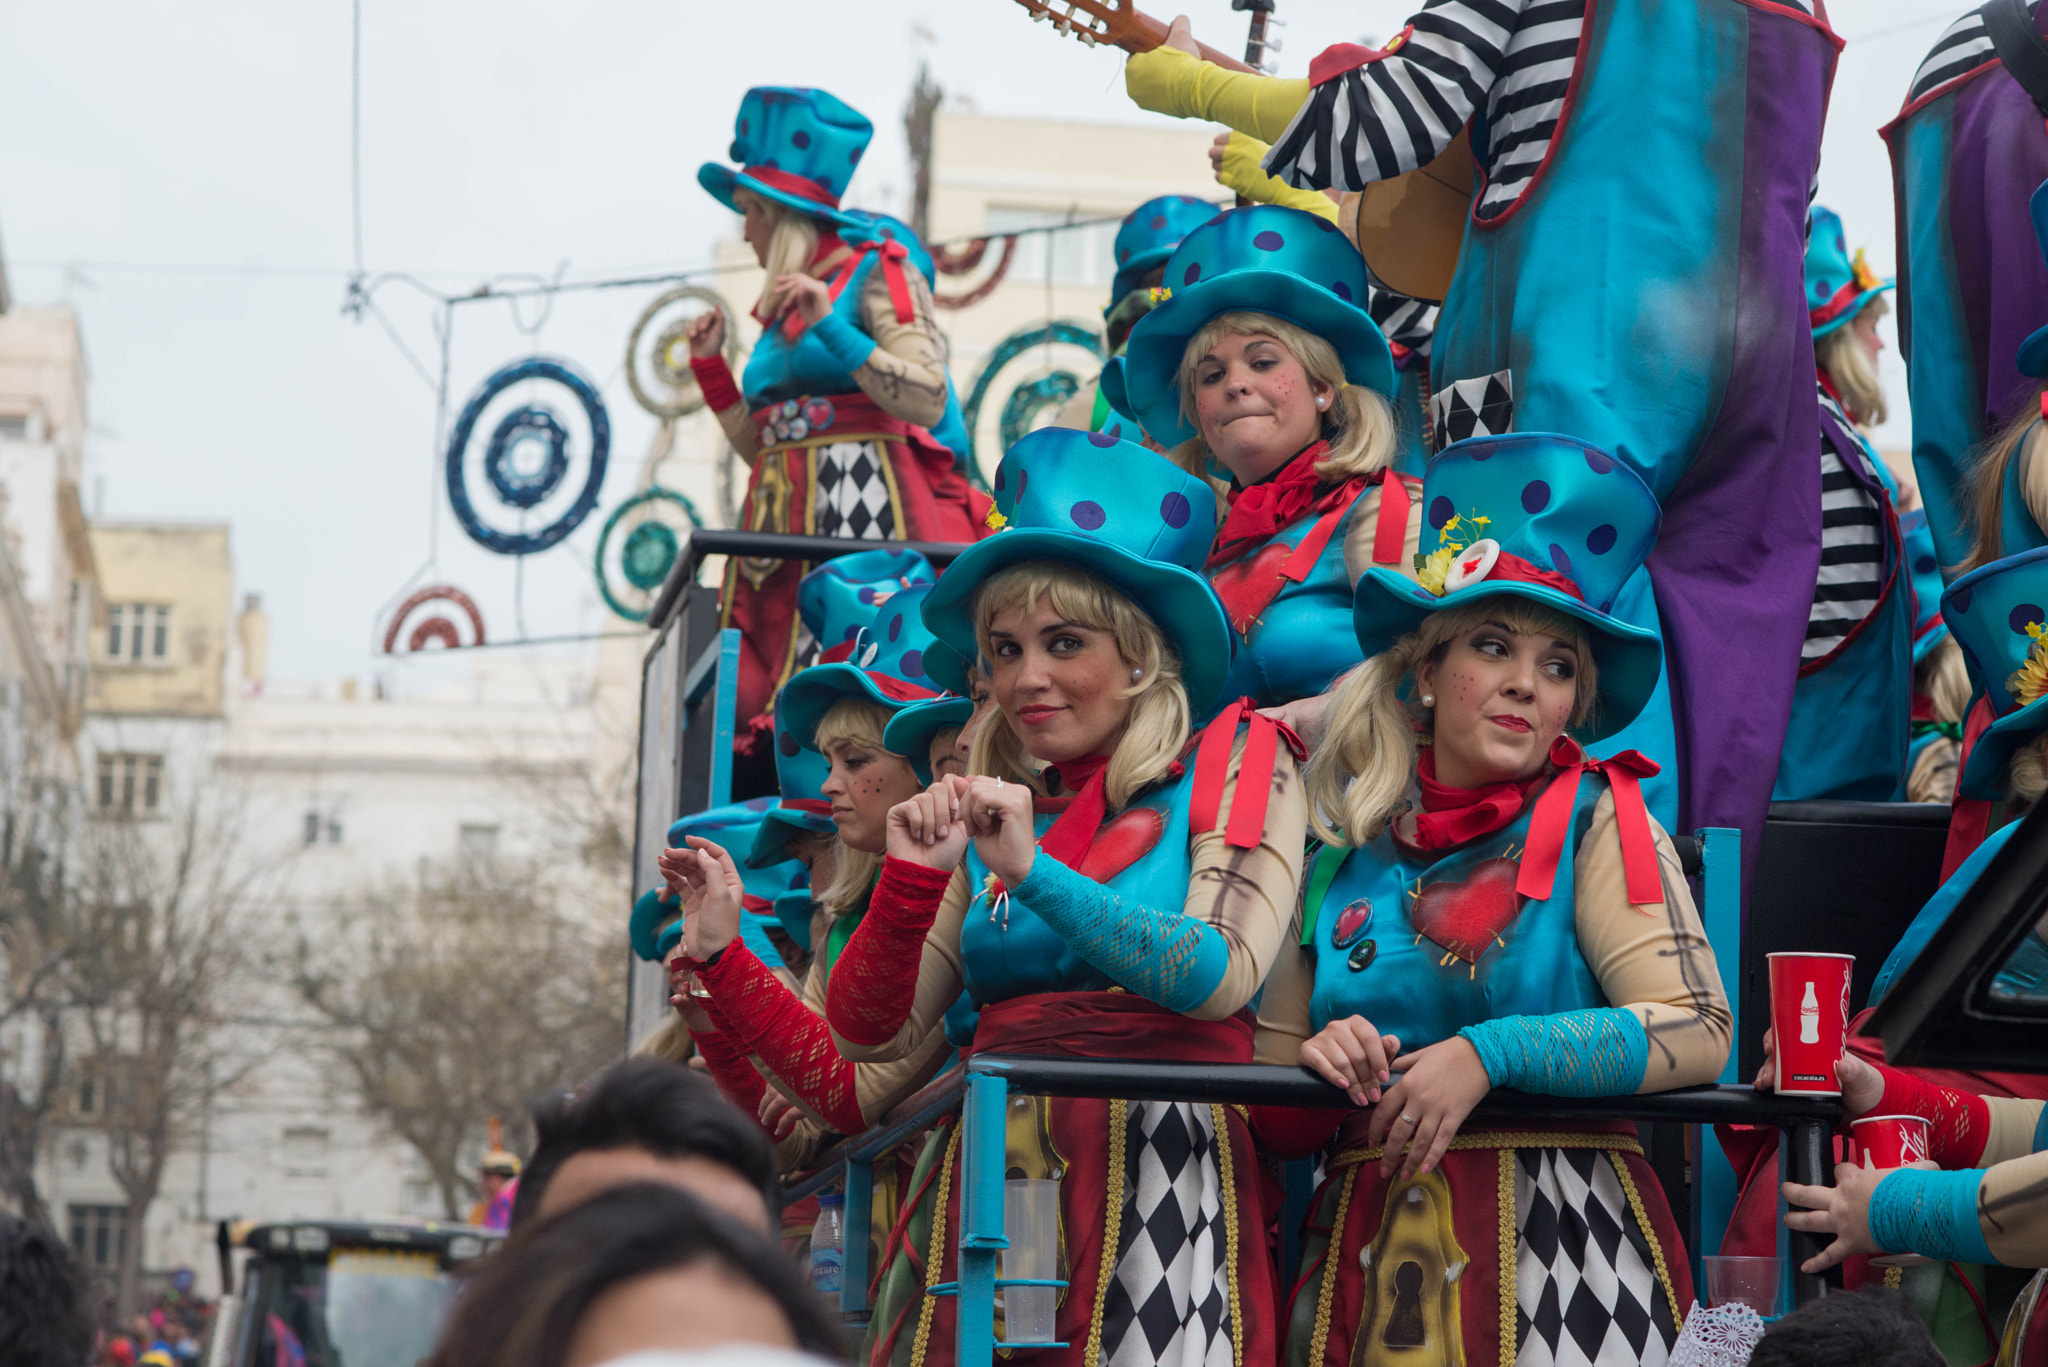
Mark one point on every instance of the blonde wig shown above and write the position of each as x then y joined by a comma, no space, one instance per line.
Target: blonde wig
1360,772
1850,368
792,243
1984,486
1359,424
1942,676
669,1040
1159,721
851,721
2026,773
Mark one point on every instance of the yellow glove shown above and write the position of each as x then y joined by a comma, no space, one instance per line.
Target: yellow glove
1238,169
1169,81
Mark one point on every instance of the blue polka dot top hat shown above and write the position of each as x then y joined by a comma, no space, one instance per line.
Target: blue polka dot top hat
800,810
1149,235
1264,259
1999,616
2033,358
797,147
839,597
1837,285
887,667
1129,517
1539,516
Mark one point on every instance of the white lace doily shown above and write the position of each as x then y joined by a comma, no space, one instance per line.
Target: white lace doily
1724,1336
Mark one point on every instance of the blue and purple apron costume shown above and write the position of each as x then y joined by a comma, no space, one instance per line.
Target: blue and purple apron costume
1480,940
1967,154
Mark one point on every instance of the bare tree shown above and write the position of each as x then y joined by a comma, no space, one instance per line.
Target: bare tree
458,997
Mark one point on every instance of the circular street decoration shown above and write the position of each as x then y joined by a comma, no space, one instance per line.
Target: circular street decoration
437,628
1032,395
526,457
654,522
658,351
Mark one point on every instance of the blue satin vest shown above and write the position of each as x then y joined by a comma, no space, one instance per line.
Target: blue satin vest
1411,986
1304,638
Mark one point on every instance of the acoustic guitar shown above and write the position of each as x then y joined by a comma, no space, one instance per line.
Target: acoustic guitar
1409,229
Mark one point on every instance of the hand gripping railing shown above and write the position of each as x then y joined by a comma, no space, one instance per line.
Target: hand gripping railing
982,1086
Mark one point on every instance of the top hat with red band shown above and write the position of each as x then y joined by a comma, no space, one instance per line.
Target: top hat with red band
887,667
797,147
1837,285
1532,515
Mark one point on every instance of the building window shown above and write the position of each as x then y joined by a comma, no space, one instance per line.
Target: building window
14,426
99,1235
477,841
138,633
315,823
1075,256
131,784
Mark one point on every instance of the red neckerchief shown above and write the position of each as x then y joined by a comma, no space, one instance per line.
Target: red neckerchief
1074,830
1454,816
1827,383
1257,514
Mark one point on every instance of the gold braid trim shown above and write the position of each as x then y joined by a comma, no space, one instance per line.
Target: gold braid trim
1506,1139
1893,1277
1112,1230
1510,1261
935,1252
1326,1293
1635,1203
1220,1122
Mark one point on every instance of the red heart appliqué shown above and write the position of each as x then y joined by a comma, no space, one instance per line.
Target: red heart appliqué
1246,586
1465,918
1121,843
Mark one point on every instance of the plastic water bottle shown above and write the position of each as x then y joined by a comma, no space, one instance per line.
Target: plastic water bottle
828,1240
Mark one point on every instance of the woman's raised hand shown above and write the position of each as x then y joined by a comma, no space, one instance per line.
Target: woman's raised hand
809,297
999,816
712,902
927,829
1439,1086
1351,1054
706,335
1862,1085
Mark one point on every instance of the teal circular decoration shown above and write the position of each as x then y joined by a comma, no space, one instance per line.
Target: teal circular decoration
1030,398
649,550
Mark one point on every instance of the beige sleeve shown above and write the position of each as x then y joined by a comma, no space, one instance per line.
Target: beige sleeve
938,983
737,422
1284,1023
1365,518
906,372
2013,1123
2012,1210
1652,960
1250,896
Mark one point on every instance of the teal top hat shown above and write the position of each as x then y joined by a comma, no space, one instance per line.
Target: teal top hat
1132,519
886,667
1265,259
1837,285
910,731
800,810
2033,358
839,597
1148,236
1539,516
732,826
797,147
1997,615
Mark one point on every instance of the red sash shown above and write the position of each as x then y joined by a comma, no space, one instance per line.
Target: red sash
1110,1025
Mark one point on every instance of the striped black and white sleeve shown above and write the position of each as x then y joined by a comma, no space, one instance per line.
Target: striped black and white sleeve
1396,113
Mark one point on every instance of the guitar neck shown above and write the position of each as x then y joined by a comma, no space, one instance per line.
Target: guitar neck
1255,42
1118,22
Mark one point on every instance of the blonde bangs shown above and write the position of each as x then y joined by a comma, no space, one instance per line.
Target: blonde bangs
852,721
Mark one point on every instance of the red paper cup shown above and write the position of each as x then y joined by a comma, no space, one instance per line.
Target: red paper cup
1890,1141
1809,1020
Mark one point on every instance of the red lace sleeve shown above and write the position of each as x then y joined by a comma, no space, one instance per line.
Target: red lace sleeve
789,1037
1959,1124
740,1081
874,985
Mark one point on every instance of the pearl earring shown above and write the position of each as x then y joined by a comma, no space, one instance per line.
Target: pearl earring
1429,700
1322,403
1137,674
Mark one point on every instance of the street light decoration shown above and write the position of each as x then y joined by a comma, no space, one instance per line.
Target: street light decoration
1045,384
522,459
658,352
437,627
638,547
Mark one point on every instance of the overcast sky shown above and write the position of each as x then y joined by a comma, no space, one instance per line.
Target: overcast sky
180,173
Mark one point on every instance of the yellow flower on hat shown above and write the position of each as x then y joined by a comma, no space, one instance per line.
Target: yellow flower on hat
1430,569
1860,272
2030,680
1159,294
995,521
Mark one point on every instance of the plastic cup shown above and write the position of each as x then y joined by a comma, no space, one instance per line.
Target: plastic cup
1031,1221
1754,1282
1809,1020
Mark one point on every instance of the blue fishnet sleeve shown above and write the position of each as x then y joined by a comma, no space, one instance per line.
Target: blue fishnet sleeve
1165,956
1933,1214
847,344
1567,1053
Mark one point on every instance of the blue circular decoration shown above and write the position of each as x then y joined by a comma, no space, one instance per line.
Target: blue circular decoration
1535,496
524,490
895,626
650,550
1028,399
1959,597
1602,538
1559,561
1924,565
1598,463
1175,510
1087,515
1269,241
1192,273
2023,616
912,664
1441,511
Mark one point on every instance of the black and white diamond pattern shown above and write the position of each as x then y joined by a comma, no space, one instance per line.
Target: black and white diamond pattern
1484,407
1170,1300
1585,1291
853,493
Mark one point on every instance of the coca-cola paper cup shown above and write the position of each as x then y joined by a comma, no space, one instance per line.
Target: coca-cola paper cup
1809,1020
1890,1141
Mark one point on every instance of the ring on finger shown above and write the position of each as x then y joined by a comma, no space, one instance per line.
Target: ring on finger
1409,1119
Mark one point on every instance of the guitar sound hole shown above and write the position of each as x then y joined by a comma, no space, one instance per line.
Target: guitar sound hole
1404,1326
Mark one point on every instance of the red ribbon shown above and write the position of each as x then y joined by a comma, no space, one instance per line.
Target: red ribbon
1969,819
1836,304
1550,825
893,254
1259,513
899,691
1335,60
817,806
789,183
1517,570
1254,772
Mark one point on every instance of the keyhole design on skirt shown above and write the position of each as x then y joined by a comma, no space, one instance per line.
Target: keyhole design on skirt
1404,1327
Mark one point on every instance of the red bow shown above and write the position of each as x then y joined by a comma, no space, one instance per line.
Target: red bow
1550,825
1453,816
1261,511
893,254
1254,773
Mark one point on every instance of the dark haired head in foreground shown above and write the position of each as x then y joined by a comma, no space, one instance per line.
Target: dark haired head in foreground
638,1267
1867,1328
44,1317
648,1120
